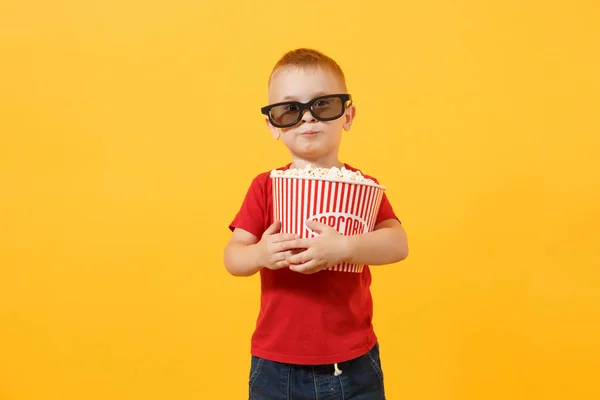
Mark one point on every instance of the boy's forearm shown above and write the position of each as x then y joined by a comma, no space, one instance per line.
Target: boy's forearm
241,259
382,246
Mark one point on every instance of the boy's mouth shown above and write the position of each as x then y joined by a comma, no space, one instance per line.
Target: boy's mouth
309,133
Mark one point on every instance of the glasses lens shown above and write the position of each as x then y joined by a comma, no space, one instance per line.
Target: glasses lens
285,114
329,107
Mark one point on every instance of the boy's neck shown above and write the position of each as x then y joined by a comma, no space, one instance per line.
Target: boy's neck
323,163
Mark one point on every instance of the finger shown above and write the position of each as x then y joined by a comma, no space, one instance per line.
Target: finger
309,267
283,237
302,243
280,260
281,264
299,259
283,256
317,226
273,228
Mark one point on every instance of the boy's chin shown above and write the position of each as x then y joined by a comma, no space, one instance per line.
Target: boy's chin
310,155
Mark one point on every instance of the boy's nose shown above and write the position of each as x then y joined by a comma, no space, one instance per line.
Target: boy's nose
308,117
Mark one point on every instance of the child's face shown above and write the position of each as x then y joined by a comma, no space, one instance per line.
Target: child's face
310,139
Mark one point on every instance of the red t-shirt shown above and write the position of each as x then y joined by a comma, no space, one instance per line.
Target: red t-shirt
321,318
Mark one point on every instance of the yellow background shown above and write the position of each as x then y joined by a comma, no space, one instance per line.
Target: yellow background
122,124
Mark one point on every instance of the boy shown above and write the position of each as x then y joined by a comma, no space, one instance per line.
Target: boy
313,338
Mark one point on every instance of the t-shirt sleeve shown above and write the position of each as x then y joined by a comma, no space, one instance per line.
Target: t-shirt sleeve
386,211
250,217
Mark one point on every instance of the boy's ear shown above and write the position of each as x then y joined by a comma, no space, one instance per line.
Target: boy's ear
349,117
274,130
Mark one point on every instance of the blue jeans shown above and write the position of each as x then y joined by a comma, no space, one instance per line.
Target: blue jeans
361,379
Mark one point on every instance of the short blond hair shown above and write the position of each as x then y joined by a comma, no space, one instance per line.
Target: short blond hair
305,57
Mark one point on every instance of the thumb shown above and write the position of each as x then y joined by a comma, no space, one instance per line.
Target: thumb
317,226
273,228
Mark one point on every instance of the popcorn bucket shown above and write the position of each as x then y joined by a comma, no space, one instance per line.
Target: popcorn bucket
350,207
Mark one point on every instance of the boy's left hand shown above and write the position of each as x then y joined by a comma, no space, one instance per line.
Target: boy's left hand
325,250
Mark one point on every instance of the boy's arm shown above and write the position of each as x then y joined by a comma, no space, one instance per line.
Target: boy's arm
245,254
386,244
240,255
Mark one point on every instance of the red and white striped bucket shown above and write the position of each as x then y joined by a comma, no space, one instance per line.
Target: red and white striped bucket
350,207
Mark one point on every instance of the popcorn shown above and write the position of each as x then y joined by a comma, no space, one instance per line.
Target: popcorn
335,173
342,198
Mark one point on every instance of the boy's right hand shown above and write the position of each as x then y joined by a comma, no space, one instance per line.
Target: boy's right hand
272,254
